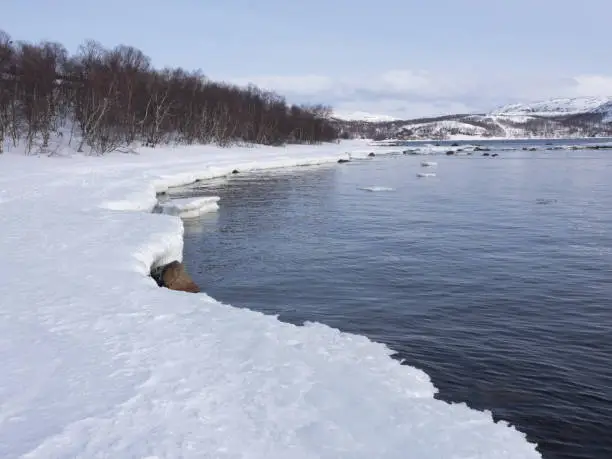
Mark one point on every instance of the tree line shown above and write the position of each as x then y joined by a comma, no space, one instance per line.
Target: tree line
104,99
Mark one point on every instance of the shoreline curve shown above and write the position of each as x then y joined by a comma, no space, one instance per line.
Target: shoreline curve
113,360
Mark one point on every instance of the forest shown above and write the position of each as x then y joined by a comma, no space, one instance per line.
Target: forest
106,99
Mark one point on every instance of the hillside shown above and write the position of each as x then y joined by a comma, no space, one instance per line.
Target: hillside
362,116
576,117
558,107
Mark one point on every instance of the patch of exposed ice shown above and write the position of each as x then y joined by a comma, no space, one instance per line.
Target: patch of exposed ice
190,207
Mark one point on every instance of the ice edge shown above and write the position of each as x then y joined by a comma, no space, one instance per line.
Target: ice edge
170,248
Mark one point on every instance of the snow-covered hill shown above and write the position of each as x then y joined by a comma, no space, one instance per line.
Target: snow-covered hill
576,117
363,116
445,127
558,107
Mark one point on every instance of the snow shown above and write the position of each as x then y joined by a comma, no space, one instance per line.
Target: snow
555,107
457,128
511,118
376,188
449,129
363,116
98,361
516,121
190,207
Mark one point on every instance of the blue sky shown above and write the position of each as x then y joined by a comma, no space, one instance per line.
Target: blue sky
403,58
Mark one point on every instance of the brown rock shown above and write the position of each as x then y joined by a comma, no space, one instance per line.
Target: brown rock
175,277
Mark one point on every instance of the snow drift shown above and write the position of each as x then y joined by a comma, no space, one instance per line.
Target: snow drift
98,361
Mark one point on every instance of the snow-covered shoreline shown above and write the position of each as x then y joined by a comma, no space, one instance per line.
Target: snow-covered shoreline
475,138
98,361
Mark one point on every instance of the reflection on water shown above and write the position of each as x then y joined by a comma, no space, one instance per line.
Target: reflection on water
202,224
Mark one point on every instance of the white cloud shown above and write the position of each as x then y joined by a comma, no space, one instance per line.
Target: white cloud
593,85
408,81
408,93
300,84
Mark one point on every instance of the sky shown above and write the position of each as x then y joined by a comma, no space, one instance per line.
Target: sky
400,58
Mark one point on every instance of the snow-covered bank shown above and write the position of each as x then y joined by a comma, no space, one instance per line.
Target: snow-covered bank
97,361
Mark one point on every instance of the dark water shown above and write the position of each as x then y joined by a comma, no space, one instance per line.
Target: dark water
495,277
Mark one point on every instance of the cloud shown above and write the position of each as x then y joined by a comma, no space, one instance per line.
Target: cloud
410,93
408,81
299,84
593,85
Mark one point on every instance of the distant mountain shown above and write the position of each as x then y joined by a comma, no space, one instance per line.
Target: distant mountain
362,116
558,107
576,117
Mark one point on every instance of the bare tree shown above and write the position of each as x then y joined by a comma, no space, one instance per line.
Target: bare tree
108,98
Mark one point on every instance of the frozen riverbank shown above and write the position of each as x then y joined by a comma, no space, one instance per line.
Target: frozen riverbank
100,362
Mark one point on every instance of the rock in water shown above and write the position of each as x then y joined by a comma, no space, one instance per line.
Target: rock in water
175,277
